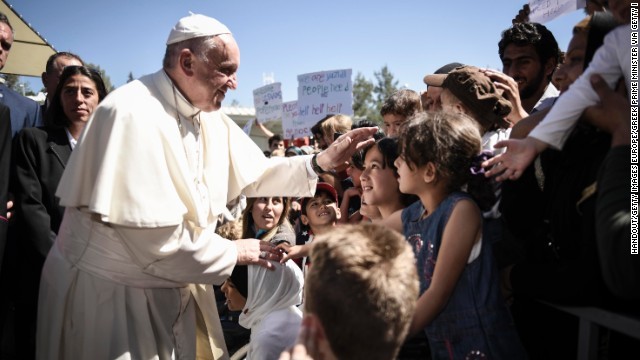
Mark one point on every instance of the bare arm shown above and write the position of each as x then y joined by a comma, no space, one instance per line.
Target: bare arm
460,234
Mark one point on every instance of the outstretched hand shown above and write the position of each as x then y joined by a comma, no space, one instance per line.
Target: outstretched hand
295,252
511,164
256,252
341,150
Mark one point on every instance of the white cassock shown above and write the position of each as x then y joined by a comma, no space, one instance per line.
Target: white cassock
143,190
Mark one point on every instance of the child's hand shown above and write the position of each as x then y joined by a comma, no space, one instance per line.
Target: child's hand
296,252
511,164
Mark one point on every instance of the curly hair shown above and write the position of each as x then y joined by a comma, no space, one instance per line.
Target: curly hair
404,102
535,34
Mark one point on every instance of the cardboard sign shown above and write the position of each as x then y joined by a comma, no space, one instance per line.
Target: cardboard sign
322,93
543,11
268,103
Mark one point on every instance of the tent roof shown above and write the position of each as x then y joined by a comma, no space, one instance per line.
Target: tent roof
30,51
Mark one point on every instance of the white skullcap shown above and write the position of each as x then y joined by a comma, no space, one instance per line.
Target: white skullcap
196,25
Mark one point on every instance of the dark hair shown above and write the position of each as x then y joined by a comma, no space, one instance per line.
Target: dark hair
275,138
52,59
389,148
240,279
535,34
599,26
452,142
316,130
404,102
368,123
56,112
5,19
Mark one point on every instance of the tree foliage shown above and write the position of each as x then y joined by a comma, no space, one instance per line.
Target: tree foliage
368,96
105,78
130,78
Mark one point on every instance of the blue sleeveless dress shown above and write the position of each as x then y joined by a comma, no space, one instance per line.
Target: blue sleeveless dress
475,323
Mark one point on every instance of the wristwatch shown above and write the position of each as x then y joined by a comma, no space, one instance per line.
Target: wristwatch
315,166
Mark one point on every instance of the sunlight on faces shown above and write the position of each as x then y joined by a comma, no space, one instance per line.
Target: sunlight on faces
266,212
523,65
573,64
379,183
409,181
235,300
79,98
214,77
50,79
321,210
392,123
6,41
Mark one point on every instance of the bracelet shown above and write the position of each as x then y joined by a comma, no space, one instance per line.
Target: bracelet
315,166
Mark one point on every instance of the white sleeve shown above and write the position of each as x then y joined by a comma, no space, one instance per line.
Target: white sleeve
612,60
176,253
286,176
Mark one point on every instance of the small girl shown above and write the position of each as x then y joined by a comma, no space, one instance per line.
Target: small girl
267,299
461,309
379,179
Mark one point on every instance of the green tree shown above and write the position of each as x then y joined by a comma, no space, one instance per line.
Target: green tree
369,96
105,78
385,86
130,78
12,81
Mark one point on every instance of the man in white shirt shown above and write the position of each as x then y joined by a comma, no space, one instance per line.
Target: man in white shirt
151,174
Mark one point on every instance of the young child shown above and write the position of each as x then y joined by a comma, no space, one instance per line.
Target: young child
379,179
612,60
319,215
267,299
460,307
365,312
397,108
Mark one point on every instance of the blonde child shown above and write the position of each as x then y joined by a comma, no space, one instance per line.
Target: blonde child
460,307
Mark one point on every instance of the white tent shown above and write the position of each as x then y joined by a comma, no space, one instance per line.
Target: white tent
30,51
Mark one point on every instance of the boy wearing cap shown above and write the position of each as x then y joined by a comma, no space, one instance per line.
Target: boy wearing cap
320,214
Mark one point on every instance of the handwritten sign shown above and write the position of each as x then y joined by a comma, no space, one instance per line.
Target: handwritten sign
543,11
268,102
322,93
292,127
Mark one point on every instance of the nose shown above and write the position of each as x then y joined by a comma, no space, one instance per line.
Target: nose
364,175
233,81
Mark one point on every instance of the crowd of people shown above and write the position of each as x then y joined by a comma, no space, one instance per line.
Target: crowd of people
146,225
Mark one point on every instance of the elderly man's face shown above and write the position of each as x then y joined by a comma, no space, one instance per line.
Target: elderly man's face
6,41
431,98
213,78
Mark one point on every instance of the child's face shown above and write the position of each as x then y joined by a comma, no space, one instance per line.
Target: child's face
392,123
321,210
409,181
354,173
379,183
266,212
235,300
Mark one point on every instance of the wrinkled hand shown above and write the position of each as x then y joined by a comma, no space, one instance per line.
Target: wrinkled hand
612,114
341,150
510,92
256,252
306,347
511,164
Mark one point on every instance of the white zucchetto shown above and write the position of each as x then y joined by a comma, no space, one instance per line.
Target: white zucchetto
196,25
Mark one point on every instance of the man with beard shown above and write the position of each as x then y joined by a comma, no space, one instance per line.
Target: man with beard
530,54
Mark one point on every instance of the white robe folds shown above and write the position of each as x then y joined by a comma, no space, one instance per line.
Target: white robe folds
142,197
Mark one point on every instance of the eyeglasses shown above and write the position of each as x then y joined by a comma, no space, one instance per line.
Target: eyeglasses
6,46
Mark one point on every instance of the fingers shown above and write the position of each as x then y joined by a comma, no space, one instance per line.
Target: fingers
600,86
266,264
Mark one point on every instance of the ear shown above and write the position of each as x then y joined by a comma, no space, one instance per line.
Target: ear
429,173
186,61
304,219
550,67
